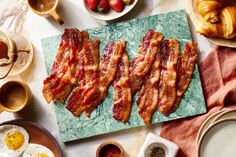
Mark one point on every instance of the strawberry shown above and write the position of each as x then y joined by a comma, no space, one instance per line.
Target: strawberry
116,5
92,4
103,6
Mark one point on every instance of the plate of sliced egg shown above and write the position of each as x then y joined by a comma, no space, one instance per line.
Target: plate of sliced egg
21,138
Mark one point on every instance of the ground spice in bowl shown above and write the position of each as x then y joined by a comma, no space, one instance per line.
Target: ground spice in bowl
156,150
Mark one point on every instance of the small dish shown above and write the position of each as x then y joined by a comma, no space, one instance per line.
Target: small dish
170,148
110,147
111,14
38,135
196,18
218,140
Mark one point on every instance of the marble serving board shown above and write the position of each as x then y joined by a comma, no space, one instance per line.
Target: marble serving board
171,25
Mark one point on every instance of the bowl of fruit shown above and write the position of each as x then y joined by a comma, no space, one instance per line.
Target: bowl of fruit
107,10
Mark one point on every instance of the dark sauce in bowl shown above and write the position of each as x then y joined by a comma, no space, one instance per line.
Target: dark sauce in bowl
3,50
110,150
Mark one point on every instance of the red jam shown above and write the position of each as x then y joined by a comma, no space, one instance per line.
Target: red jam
110,151
3,50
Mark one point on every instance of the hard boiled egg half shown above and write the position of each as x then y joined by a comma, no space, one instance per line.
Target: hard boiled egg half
37,150
13,140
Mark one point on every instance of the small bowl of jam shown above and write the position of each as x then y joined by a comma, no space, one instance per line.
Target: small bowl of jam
110,149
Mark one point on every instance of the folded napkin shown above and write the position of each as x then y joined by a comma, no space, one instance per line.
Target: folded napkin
218,74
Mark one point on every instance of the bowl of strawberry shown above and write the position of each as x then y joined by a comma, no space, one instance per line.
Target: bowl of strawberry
109,9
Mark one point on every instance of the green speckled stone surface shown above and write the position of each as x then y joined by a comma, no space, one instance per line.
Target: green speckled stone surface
171,25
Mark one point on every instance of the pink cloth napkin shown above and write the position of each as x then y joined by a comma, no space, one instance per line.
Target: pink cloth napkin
218,74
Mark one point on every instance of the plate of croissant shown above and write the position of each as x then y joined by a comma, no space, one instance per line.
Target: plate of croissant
215,19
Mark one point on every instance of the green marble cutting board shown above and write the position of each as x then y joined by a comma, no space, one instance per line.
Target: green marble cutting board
171,25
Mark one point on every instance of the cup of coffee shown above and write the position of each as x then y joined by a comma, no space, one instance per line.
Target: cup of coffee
14,96
46,8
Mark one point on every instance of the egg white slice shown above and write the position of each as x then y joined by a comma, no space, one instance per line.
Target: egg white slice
5,150
38,150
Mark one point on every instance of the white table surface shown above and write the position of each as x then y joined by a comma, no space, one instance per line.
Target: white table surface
15,15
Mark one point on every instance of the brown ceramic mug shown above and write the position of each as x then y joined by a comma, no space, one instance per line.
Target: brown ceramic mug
14,96
46,8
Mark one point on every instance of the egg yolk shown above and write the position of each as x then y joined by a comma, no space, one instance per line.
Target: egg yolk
42,155
14,140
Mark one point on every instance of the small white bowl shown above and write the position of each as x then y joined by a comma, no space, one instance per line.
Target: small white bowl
170,148
111,14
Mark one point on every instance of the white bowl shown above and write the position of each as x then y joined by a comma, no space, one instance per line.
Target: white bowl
171,149
111,14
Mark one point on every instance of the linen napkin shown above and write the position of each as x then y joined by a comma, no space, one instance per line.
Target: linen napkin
218,75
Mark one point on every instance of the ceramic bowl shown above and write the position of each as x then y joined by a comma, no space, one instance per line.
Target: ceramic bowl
108,144
14,96
111,14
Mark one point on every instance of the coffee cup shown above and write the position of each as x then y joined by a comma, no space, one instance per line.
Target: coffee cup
46,8
14,96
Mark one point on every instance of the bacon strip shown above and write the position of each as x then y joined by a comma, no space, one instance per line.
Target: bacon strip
59,84
185,67
122,91
108,66
88,76
167,84
92,95
140,65
148,98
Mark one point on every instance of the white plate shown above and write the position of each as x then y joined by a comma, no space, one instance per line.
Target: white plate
111,14
196,18
219,140
231,113
207,123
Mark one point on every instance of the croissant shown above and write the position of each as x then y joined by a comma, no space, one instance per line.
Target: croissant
209,9
226,28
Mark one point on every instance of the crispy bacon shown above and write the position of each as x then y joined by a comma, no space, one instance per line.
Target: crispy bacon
185,67
88,76
59,84
107,70
167,83
140,65
122,91
148,98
